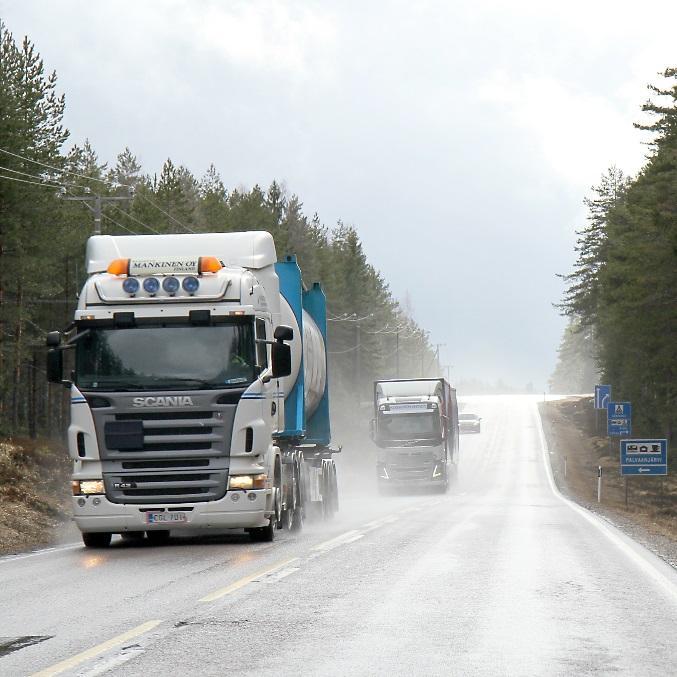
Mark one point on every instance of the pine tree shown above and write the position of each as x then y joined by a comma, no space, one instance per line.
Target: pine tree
31,128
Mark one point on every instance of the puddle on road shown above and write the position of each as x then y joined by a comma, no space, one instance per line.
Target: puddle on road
11,644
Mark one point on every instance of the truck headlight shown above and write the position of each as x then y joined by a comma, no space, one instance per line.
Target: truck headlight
247,481
87,487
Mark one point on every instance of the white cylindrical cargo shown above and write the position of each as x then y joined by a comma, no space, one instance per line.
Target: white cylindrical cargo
314,357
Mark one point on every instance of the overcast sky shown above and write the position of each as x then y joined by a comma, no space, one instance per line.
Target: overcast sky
459,138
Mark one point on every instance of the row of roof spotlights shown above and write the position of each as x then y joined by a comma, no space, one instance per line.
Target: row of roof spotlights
151,285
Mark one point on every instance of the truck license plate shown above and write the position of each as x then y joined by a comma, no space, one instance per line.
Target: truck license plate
166,517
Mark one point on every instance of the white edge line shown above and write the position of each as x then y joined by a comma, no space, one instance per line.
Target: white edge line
650,564
6,559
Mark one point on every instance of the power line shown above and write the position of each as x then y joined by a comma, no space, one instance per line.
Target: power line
34,176
103,181
59,169
98,213
105,216
133,218
32,183
169,216
342,352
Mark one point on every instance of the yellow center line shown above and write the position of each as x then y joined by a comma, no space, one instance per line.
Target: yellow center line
70,663
246,581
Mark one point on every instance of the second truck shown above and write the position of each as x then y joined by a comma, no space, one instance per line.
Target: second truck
415,427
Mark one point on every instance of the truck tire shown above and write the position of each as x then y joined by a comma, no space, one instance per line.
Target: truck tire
328,499
334,488
297,521
132,537
264,534
96,539
157,537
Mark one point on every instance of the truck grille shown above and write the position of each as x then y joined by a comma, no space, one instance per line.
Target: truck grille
174,455
166,487
411,465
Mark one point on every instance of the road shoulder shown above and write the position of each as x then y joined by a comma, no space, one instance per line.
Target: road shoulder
652,508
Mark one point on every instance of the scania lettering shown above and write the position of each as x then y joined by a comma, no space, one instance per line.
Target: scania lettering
415,427
184,401
199,396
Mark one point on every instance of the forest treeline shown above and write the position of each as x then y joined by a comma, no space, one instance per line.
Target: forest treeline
621,297
43,232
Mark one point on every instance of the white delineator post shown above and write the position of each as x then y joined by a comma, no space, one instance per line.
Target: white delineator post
599,483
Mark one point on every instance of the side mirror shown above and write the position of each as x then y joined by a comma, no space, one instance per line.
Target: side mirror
281,354
283,333
54,339
55,365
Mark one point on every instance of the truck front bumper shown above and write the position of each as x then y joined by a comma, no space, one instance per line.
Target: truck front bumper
250,509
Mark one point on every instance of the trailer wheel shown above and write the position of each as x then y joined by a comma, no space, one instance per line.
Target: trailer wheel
290,508
334,488
328,499
96,539
297,519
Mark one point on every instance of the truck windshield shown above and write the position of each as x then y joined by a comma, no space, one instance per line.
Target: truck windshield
182,357
406,427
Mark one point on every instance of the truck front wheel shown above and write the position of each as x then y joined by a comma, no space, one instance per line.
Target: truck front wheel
264,534
96,539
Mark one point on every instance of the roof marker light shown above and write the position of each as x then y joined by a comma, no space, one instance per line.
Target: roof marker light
118,267
209,264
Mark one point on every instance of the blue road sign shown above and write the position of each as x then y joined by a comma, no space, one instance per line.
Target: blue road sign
644,457
602,396
619,418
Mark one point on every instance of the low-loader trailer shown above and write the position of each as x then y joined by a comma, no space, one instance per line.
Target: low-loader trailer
415,427
199,395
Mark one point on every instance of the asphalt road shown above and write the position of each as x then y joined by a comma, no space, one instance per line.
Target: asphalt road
501,576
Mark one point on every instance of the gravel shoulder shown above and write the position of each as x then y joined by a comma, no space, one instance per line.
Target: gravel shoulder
571,428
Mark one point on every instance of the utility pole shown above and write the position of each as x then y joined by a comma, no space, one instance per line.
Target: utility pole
96,200
397,353
437,356
358,365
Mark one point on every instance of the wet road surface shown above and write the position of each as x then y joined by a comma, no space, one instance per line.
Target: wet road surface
500,576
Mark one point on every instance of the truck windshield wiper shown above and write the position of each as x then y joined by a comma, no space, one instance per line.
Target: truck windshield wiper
113,385
209,384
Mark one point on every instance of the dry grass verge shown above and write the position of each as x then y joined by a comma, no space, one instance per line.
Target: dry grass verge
34,478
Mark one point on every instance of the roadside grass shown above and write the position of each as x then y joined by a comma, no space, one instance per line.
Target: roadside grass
34,503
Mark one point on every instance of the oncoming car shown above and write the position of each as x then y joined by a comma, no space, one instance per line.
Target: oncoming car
469,423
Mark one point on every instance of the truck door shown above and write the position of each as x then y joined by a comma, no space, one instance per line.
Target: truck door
270,389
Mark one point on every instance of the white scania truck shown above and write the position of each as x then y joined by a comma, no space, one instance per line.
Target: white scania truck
415,427
199,395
